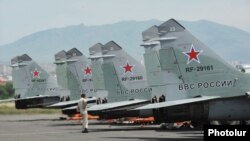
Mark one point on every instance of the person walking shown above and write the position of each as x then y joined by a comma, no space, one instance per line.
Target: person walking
82,108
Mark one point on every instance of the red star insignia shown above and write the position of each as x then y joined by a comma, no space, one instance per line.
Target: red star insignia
36,73
128,68
193,55
87,70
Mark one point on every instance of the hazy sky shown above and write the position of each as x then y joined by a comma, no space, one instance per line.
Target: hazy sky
22,17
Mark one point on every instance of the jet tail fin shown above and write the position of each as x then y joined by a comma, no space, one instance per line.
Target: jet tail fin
194,68
123,76
34,87
26,74
74,73
30,79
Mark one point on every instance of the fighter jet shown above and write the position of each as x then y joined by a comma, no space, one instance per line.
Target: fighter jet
198,84
87,74
74,73
123,77
34,87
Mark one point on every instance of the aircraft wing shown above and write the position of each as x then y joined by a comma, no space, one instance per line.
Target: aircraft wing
117,105
176,102
70,103
34,97
75,107
27,98
70,108
7,100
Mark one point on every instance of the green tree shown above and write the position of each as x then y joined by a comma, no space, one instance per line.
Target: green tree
9,88
3,92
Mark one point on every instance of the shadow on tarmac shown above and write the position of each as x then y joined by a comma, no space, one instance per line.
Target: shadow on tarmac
157,129
158,139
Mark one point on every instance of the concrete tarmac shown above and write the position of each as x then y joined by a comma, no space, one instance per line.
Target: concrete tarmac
50,128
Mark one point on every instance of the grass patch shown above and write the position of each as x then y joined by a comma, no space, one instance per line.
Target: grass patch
9,109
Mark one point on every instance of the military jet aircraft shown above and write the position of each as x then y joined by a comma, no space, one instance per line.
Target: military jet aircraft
74,72
34,87
84,74
123,77
197,83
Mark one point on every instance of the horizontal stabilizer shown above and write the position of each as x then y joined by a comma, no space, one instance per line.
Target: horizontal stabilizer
176,102
70,103
75,107
70,108
26,98
36,97
7,100
116,105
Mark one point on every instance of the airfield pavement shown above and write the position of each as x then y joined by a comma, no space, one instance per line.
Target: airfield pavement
50,128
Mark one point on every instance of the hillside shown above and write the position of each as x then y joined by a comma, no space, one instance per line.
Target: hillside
229,42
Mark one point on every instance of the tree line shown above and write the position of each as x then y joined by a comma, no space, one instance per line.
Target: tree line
7,91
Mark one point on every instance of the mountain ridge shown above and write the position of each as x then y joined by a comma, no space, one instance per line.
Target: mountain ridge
42,46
